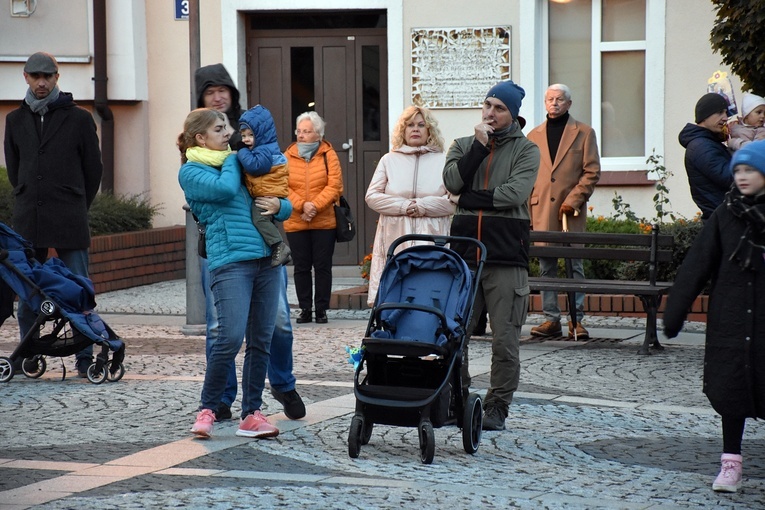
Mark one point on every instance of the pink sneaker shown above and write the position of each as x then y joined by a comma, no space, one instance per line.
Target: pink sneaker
203,427
256,425
729,479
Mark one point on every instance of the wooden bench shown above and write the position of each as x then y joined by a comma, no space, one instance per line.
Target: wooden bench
651,248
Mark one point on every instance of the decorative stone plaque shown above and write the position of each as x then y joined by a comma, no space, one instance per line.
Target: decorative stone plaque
454,67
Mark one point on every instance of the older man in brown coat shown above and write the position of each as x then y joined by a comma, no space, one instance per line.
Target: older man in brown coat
568,171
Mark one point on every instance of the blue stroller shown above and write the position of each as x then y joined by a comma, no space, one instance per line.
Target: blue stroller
409,373
66,322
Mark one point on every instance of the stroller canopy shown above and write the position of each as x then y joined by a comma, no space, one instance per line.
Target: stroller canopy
430,276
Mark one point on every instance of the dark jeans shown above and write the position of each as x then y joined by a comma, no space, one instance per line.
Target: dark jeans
312,249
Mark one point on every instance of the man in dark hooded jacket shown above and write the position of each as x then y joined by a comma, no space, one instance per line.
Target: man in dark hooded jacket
54,164
706,157
216,90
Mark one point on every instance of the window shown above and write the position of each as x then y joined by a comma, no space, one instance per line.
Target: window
609,52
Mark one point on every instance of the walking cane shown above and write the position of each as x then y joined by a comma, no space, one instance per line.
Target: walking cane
570,275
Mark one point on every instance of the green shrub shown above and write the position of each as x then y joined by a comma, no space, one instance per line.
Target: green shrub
108,214
111,214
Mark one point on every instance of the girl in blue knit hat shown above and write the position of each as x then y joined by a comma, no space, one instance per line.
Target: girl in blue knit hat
731,250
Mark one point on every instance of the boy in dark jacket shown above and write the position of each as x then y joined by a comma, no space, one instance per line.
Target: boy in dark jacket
265,174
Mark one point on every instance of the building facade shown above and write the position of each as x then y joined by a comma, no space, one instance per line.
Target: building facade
635,68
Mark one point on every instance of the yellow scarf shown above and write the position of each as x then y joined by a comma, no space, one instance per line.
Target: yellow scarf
207,156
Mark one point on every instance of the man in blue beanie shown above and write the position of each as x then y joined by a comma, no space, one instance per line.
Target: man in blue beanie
490,176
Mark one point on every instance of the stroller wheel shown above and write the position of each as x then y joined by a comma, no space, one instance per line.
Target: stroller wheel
367,431
34,367
117,374
354,437
6,369
427,442
472,424
97,377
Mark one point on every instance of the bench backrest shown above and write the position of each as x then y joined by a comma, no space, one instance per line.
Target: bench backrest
652,248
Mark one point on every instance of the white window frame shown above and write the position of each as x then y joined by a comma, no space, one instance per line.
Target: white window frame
534,63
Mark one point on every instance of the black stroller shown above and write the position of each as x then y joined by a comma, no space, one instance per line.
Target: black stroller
412,349
66,322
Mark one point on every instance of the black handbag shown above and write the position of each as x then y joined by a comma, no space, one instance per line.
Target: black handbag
202,239
346,225
345,228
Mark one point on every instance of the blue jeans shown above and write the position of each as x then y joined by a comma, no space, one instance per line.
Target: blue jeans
246,302
280,366
548,268
77,262
211,332
280,362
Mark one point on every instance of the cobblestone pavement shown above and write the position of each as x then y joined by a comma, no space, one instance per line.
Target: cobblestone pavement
593,425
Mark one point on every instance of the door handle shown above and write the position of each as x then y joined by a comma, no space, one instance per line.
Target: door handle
348,146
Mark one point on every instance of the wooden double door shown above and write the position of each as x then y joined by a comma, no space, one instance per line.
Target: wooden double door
342,75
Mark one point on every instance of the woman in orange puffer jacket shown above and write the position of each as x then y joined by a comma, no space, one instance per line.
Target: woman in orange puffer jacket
315,185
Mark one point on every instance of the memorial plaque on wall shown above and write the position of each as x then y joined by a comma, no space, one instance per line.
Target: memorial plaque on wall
453,67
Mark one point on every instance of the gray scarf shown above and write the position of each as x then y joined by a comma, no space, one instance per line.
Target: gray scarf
40,106
499,133
307,150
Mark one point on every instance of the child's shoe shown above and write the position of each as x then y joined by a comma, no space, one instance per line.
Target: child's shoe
203,427
256,425
729,479
280,254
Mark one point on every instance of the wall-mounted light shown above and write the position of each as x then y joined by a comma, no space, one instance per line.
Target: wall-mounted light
23,8
561,1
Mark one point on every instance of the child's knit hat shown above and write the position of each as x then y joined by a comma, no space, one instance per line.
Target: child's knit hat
752,154
749,103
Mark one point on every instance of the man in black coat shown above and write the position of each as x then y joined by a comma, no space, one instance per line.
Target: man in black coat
707,158
54,165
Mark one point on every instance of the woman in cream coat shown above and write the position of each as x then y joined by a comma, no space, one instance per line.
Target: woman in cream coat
407,188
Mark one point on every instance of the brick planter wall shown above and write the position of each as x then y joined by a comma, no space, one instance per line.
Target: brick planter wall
121,261
615,306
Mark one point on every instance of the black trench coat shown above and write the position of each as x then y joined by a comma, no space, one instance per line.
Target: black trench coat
734,357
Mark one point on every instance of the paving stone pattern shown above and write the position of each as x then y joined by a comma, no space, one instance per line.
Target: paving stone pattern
593,425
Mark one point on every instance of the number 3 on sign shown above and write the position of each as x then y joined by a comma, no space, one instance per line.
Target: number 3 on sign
181,9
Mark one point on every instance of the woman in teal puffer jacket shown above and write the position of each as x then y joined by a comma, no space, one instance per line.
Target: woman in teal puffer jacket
245,286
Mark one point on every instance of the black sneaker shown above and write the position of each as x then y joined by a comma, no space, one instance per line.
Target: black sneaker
294,408
82,367
305,316
321,317
494,418
223,412
280,254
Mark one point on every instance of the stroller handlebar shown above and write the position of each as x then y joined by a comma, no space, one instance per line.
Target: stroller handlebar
438,240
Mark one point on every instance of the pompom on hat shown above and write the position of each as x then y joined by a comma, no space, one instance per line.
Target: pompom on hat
749,103
509,93
709,104
752,154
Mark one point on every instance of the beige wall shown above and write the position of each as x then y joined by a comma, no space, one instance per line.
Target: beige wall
169,90
146,159
458,122
689,64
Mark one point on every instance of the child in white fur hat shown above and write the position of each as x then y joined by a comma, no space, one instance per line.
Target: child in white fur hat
750,125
